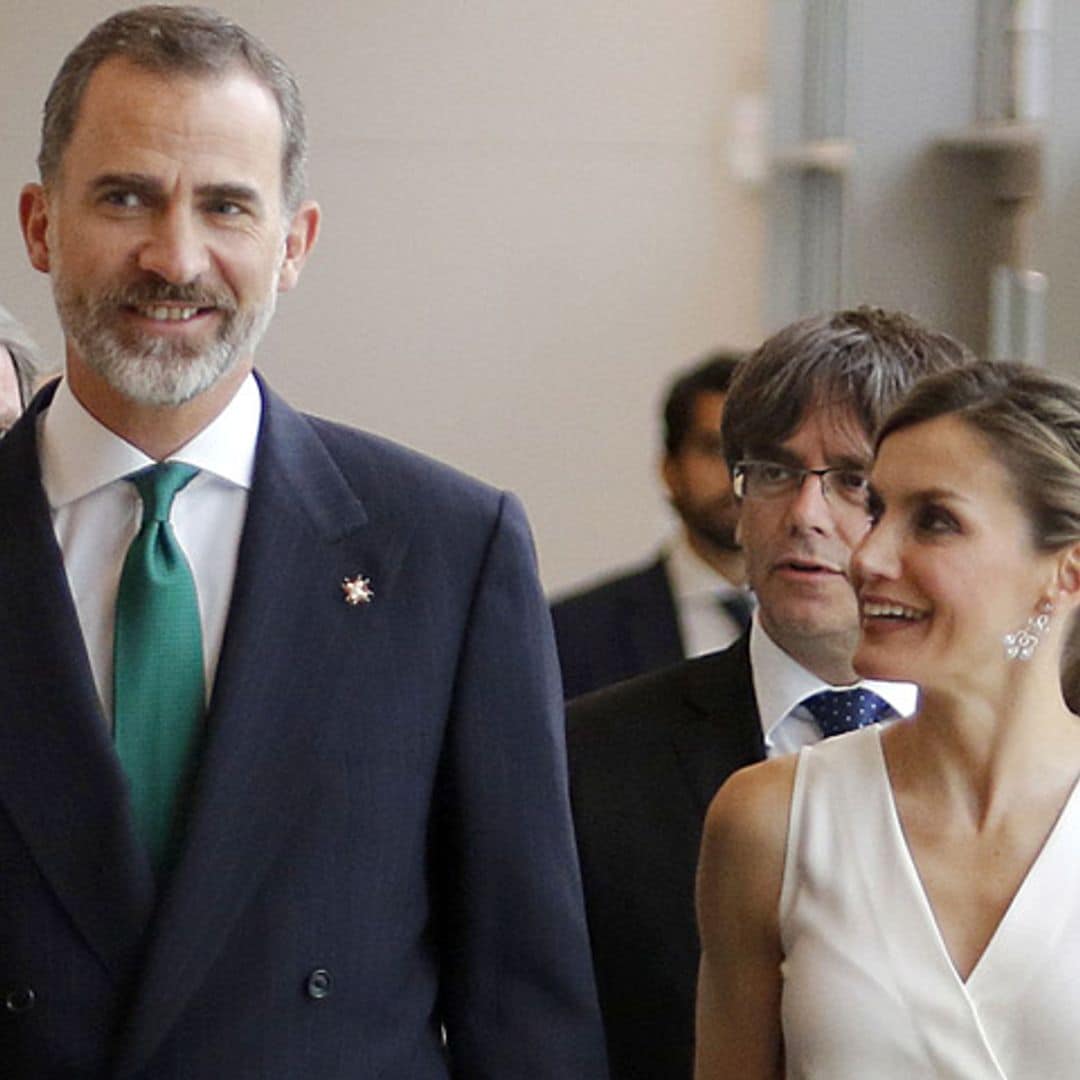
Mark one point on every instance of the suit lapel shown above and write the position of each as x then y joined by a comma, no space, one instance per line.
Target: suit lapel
264,738
718,729
60,780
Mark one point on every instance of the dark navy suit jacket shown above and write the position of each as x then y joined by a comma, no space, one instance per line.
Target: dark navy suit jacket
616,629
646,758
379,848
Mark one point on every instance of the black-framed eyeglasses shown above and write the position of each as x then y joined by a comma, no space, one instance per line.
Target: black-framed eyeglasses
842,485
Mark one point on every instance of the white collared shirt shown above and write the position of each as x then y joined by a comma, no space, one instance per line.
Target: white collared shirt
781,684
96,514
697,590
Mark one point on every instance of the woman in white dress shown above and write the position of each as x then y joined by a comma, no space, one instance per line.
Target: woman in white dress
906,903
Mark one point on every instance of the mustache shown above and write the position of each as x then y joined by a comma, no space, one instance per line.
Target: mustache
143,293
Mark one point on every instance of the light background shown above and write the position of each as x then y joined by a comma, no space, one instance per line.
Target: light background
530,223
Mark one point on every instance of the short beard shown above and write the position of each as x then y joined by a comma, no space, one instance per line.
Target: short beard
716,529
149,370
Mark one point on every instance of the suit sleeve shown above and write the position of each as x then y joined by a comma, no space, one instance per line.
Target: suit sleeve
518,997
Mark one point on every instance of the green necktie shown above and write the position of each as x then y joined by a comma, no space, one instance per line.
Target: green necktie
158,668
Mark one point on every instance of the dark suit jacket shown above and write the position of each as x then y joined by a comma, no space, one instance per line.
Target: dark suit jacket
646,758
617,629
380,843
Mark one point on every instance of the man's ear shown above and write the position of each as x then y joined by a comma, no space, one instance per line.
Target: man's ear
300,238
34,220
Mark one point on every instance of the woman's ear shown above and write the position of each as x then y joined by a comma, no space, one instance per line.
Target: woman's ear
1068,571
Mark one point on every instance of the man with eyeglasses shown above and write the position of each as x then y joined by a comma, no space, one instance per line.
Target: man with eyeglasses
647,755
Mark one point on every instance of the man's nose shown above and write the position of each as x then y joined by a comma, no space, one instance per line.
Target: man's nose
175,249
809,508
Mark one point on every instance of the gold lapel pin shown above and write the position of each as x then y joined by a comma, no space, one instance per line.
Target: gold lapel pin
357,590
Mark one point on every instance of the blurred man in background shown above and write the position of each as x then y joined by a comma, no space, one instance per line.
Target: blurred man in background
689,600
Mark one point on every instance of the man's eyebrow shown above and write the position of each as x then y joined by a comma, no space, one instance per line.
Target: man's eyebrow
230,192
782,456
139,182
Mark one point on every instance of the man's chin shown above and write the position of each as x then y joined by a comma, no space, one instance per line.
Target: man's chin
804,619
156,384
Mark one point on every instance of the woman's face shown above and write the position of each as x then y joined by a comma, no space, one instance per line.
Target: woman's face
949,566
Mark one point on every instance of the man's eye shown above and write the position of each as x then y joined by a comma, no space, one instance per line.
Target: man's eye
225,208
851,481
710,445
773,474
125,200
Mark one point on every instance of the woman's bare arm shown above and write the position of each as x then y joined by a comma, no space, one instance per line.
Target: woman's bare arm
738,894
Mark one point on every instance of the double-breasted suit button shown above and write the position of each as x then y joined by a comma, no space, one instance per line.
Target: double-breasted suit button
19,1000
319,984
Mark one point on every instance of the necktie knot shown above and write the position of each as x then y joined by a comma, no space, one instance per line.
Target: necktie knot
158,486
738,606
839,711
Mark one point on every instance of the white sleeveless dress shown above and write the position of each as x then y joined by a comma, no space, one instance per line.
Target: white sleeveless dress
870,992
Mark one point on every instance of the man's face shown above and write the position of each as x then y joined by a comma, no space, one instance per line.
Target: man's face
164,233
10,398
798,546
697,477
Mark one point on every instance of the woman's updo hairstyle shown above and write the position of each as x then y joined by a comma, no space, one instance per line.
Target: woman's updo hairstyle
1029,420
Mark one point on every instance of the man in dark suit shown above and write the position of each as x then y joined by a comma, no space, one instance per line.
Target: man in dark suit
646,756
304,812
689,600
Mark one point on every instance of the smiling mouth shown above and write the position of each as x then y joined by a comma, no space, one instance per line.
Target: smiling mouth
879,609
163,313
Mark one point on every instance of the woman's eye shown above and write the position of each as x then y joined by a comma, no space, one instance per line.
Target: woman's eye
934,519
851,480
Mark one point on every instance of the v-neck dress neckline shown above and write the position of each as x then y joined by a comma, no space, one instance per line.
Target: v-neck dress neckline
869,986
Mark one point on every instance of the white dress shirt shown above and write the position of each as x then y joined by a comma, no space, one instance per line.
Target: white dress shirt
697,590
96,514
781,684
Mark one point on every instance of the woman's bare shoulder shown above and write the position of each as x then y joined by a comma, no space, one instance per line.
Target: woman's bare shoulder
753,803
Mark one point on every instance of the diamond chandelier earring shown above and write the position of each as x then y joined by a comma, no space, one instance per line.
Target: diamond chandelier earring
1021,644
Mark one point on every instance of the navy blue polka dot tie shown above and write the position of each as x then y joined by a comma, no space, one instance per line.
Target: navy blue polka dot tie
837,711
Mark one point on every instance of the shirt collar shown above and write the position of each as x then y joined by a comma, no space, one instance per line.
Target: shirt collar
79,454
781,683
690,575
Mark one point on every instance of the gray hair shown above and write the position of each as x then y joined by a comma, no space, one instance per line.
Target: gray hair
171,40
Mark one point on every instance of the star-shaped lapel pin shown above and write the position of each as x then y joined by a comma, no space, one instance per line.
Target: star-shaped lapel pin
357,590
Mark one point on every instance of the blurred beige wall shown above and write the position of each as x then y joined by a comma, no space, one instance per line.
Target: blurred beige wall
530,222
